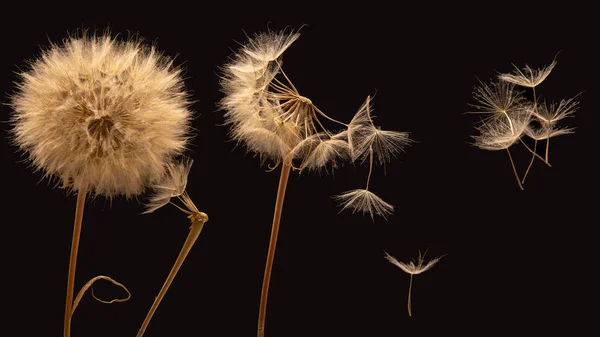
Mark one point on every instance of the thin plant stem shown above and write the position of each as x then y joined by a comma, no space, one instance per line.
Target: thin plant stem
409,291
331,119
547,148
284,75
531,162
534,153
370,166
262,312
73,261
195,230
319,122
514,169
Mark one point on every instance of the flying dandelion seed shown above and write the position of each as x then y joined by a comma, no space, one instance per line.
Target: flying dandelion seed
528,77
364,201
368,141
413,269
104,117
550,115
547,117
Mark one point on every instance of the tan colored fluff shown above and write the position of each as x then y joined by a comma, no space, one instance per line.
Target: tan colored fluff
501,134
411,267
528,77
104,116
172,184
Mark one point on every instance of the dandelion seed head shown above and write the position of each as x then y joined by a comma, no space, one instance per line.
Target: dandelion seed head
102,115
267,114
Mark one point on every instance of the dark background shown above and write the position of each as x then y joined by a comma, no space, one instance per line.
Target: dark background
517,261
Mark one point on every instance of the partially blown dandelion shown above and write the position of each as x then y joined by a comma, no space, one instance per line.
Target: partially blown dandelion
103,116
270,116
172,185
413,269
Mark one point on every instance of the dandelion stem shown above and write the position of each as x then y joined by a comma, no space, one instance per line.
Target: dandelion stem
514,169
195,230
532,159
262,313
370,166
409,291
73,261
534,153
547,148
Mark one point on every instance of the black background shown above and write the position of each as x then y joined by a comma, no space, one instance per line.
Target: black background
516,260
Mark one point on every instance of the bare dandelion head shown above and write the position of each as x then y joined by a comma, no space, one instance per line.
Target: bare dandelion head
103,115
365,201
414,267
527,77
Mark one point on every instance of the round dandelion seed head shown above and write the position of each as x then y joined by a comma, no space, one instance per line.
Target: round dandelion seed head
102,115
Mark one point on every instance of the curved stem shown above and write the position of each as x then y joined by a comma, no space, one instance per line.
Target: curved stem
73,261
284,75
187,246
409,291
531,162
510,124
319,122
331,119
514,169
262,312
